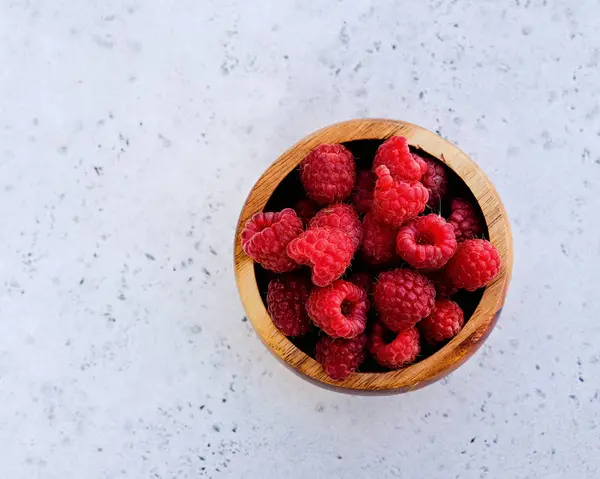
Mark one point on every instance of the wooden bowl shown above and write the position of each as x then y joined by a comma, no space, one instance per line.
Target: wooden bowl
477,328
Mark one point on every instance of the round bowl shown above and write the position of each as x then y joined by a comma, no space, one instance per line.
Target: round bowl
476,329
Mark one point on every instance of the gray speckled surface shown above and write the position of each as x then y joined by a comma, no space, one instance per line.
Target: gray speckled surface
130,134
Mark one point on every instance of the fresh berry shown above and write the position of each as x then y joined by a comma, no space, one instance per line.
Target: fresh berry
394,350
339,309
465,219
266,237
474,265
306,209
341,357
394,154
328,252
362,280
340,216
443,286
403,297
396,201
379,241
328,173
286,299
427,242
435,180
444,322
422,163
362,196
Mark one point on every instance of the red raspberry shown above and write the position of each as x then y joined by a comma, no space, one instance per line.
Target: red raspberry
422,163
402,297
306,209
341,357
379,241
340,216
427,242
328,251
286,299
435,180
362,196
396,201
362,280
443,286
394,350
474,265
444,322
339,309
328,173
466,220
394,154
266,236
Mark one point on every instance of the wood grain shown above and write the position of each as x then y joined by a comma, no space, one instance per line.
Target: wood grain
476,330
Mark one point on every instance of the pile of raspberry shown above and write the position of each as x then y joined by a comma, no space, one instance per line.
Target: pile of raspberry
367,265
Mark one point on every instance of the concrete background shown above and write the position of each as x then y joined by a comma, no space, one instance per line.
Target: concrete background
130,134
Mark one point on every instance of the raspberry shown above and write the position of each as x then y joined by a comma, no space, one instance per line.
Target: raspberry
266,236
306,209
394,350
394,154
339,309
402,297
379,241
362,196
444,322
396,201
328,251
443,286
362,280
466,220
435,180
427,242
286,299
340,216
328,173
421,162
341,357
474,265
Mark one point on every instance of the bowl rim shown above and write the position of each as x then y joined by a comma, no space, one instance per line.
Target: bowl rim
483,319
